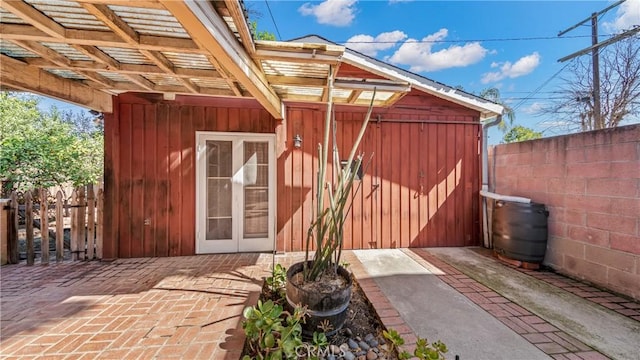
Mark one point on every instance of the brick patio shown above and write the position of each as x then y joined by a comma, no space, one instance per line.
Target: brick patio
182,307
190,307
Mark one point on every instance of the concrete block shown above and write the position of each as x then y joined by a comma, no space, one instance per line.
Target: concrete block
611,258
613,187
590,203
615,223
624,282
587,270
589,170
566,247
624,242
627,206
588,235
575,217
626,169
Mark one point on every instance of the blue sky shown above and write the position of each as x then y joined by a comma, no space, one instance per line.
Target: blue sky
473,44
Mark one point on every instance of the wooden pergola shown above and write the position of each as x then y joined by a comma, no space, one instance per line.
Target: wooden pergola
85,51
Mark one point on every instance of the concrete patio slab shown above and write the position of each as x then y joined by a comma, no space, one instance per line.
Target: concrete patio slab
605,330
436,311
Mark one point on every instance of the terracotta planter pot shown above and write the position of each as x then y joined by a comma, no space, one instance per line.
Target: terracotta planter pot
323,307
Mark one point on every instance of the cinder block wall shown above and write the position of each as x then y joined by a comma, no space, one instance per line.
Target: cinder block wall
591,185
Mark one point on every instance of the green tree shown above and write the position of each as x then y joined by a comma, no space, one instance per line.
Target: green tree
520,133
41,149
493,94
259,34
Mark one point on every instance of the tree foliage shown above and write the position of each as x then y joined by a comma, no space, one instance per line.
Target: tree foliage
260,34
520,133
493,94
43,149
619,89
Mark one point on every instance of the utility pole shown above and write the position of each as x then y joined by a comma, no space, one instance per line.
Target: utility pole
595,50
595,61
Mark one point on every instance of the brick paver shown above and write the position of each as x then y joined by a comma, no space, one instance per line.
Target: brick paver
181,307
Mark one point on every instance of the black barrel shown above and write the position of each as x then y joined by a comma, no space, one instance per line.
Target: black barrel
328,310
520,230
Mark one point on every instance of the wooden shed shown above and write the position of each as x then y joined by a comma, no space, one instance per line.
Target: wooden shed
211,137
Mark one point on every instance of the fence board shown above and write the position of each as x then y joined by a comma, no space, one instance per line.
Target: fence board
91,222
12,242
59,227
74,225
82,221
28,201
100,223
44,226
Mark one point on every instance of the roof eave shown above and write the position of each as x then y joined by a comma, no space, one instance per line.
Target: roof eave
487,109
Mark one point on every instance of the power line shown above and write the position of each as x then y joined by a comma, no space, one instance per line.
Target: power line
527,98
472,40
273,20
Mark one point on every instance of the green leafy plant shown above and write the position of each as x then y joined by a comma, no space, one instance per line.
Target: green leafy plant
423,351
332,200
278,280
273,333
396,342
319,340
433,351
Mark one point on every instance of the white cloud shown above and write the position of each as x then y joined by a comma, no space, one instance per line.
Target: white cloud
331,12
534,108
525,65
419,55
627,16
369,45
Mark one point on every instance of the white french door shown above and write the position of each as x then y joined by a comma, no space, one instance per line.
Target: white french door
235,192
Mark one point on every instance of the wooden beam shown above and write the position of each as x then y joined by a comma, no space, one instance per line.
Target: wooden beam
34,17
63,62
167,66
333,75
114,22
140,80
296,57
212,34
354,96
228,78
370,84
239,19
133,4
296,81
18,75
88,65
99,38
131,37
324,49
45,52
98,56
394,98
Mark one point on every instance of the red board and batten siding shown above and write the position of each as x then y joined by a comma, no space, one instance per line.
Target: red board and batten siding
420,188
150,169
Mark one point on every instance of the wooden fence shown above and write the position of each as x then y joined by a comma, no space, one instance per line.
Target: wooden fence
39,209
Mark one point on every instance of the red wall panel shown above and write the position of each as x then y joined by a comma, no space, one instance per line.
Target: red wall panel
420,188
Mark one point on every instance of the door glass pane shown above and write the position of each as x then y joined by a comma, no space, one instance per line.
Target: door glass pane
219,169
256,189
